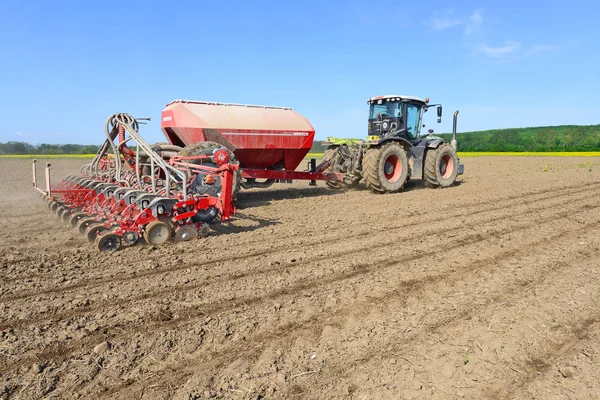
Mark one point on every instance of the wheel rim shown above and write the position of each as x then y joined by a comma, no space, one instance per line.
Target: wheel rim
130,237
392,168
446,166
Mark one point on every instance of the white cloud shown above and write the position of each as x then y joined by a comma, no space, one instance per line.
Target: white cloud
442,20
476,18
439,24
542,47
500,52
474,24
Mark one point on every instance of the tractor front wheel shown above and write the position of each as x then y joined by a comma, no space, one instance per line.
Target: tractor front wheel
385,168
441,166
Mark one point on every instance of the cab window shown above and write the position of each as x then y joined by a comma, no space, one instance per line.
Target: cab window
413,121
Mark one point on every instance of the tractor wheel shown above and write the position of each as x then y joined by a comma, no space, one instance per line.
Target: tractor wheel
441,166
334,159
206,149
385,168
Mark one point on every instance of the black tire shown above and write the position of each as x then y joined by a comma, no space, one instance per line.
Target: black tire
334,159
206,216
441,166
54,206
376,165
108,242
328,154
74,218
93,230
59,211
165,146
66,216
83,224
206,149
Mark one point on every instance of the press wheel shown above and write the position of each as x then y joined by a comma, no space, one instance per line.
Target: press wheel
93,230
108,241
157,233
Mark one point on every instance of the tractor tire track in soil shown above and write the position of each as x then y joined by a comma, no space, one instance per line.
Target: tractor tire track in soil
485,289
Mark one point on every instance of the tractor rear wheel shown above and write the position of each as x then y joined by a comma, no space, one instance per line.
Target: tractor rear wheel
335,160
385,168
441,166
206,149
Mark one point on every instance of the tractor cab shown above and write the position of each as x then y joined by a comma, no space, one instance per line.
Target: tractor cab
397,116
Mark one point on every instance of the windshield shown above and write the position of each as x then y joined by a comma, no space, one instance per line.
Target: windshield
386,110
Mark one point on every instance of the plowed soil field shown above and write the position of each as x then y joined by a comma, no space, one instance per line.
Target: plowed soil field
487,289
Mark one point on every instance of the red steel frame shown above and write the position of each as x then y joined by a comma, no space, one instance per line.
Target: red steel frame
285,175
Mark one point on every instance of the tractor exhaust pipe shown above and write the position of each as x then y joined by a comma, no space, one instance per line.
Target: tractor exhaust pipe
453,142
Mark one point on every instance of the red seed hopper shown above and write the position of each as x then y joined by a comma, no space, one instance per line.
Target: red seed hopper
268,142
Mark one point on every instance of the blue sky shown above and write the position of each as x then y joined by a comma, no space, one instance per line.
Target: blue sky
67,65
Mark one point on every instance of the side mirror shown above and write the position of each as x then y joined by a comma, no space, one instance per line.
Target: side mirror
439,113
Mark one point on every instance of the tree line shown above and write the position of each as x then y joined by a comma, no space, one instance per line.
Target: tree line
545,138
26,148
549,138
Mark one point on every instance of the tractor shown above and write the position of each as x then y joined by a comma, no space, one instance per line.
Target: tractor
395,151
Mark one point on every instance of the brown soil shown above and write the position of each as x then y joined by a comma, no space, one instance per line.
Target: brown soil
488,289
